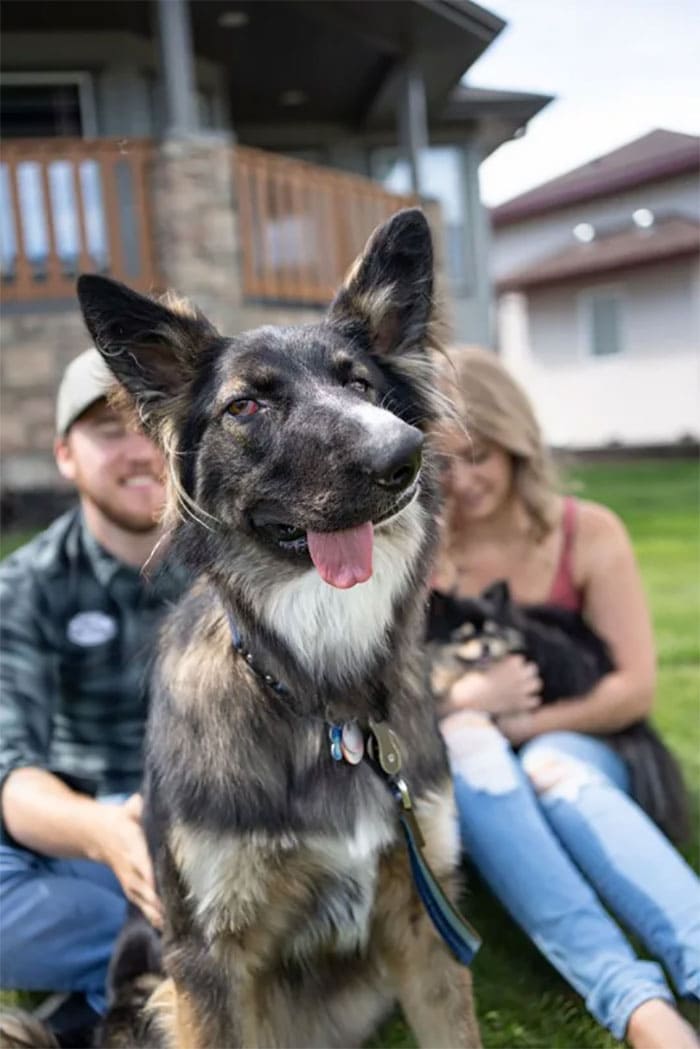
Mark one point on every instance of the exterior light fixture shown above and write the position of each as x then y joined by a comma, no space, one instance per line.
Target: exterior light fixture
233,19
643,218
584,232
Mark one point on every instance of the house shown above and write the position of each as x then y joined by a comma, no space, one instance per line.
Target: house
230,149
597,276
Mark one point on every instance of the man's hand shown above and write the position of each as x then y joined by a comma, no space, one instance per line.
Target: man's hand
122,846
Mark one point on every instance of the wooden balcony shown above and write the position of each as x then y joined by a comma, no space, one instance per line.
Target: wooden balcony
70,205
73,205
302,225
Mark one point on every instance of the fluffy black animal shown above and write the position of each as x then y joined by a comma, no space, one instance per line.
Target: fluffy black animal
477,631
471,633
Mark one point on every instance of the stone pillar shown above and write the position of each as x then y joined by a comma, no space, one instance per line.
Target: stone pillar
177,63
413,122
195,225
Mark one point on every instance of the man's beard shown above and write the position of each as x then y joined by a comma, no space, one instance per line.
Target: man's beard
139,522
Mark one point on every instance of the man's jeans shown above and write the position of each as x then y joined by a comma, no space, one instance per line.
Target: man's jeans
58,923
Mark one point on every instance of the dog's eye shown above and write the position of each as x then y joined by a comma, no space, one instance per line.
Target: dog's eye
359,386
245,406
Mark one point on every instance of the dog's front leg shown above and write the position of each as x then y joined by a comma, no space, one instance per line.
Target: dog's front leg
435,993
434,990
185,1019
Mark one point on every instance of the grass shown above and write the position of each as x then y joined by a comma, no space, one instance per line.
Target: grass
522,1002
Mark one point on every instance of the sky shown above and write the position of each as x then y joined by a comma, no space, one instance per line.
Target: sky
619,68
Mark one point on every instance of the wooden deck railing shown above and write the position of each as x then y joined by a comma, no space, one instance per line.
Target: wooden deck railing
69,206
301,225
72,205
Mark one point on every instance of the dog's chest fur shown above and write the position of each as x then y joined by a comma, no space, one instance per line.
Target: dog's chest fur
315,889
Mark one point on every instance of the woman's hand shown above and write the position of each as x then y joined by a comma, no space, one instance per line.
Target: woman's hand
122,847
512,685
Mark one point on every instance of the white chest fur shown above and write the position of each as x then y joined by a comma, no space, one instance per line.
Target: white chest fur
342,629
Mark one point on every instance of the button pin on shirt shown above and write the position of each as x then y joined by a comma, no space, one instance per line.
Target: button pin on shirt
88,629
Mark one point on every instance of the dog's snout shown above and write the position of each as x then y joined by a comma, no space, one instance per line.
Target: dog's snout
396,466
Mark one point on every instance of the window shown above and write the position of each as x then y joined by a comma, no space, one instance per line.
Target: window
46,105
602,323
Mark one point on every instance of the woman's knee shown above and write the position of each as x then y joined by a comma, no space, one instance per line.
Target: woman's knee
480,756
561,764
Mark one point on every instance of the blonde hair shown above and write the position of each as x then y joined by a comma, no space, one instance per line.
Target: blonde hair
492,404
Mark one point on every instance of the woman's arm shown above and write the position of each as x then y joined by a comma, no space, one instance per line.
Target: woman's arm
615,607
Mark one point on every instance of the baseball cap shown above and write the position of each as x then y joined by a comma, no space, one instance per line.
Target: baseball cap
86,379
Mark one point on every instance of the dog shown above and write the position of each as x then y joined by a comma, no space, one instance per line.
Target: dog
471,633
302,498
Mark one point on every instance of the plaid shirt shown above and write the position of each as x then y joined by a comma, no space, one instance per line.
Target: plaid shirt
77,634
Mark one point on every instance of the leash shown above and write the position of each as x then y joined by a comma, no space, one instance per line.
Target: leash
382,752
385,758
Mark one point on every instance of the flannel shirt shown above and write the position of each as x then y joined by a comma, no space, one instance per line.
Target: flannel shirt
77,638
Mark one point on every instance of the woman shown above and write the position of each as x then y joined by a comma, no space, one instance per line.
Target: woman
552,827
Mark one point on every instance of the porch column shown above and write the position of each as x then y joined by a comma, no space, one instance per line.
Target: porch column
175,40
475,303
413,121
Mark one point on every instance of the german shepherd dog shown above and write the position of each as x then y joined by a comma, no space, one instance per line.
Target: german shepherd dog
303,492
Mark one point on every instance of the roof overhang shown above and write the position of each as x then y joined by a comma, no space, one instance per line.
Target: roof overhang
671,238
288,62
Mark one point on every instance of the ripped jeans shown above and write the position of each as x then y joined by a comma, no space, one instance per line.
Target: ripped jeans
554,832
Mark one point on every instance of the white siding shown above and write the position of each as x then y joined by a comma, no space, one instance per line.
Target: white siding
647,394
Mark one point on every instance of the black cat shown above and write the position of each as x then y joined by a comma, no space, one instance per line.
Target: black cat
471,633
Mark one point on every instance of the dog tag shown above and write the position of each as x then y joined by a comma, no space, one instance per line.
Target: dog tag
385,750
352,743
335,735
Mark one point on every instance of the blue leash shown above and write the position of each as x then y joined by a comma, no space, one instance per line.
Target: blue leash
461,938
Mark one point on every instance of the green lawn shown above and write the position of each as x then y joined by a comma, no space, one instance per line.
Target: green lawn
522,1002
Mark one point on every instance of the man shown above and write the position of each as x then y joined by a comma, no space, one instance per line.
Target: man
77,629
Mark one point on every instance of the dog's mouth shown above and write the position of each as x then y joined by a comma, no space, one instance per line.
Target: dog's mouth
342,557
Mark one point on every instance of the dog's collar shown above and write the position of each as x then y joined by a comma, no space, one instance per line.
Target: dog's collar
270,681
346,738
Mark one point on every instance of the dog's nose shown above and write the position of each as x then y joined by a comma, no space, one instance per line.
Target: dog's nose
396,465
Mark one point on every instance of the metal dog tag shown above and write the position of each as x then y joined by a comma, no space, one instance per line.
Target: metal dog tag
385,748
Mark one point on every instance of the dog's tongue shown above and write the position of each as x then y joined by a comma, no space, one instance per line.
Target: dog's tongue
343,558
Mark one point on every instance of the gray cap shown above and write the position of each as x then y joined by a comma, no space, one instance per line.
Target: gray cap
86,379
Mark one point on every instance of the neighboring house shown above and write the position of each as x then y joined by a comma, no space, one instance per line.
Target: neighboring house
597,276
229,149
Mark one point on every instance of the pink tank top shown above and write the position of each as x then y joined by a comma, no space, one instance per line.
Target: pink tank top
564,592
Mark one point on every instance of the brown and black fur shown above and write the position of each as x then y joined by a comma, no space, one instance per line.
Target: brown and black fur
291,918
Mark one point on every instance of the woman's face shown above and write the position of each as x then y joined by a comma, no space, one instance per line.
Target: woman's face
479,477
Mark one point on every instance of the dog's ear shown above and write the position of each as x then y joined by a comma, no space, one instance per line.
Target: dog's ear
498,596
150,347
389,289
